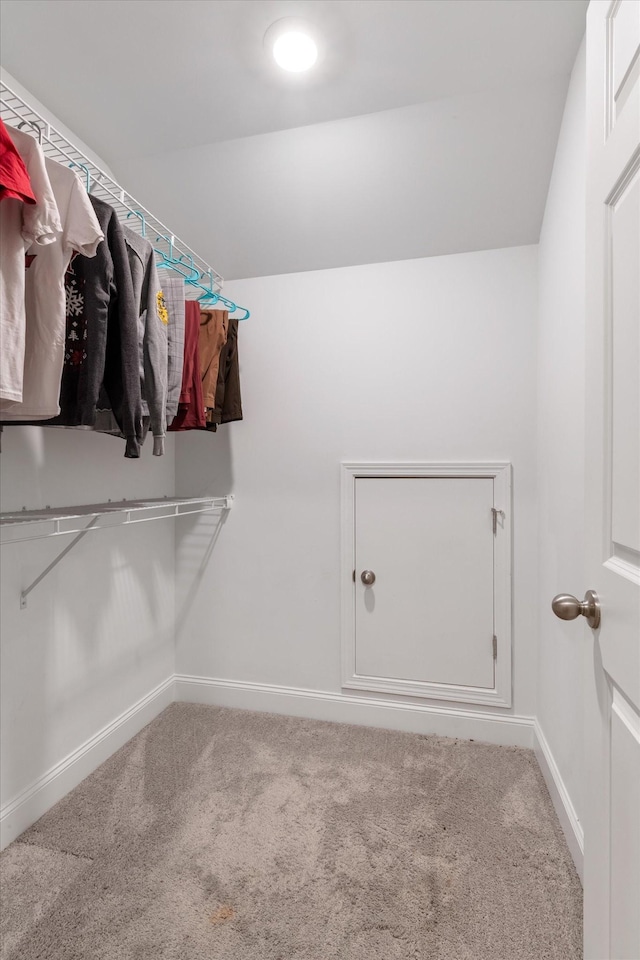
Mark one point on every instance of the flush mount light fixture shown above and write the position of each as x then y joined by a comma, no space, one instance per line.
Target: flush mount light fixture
293,44
295,51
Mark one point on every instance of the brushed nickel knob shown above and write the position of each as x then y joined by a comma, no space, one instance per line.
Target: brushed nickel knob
568,607
368,577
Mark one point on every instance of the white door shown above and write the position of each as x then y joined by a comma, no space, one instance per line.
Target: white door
612,809
428,616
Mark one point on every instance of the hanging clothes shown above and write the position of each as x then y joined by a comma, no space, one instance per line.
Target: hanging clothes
101,312
214,325
173,290
21,225
228,402
153,321
45,301
89,339
191,413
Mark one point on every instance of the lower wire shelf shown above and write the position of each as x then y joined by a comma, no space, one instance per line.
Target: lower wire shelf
60,521
51,522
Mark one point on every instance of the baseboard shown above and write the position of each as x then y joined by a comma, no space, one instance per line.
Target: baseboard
367,711
571,826
23,810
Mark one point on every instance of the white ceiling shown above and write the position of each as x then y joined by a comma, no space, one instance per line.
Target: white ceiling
453,175
175,80
160,75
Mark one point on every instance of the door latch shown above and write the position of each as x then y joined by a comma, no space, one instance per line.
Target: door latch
496,513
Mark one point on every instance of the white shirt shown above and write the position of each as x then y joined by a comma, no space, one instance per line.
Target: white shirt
21,225
45,297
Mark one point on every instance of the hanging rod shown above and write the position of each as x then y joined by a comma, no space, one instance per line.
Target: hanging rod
25,525
15,110
121,513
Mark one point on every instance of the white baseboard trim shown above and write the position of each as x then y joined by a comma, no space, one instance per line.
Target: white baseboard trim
571,826
28,806
367,711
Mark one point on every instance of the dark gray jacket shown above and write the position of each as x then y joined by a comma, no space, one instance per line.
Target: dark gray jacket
104,309
152,322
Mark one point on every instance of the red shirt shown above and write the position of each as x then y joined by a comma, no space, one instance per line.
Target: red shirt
14,179
191,413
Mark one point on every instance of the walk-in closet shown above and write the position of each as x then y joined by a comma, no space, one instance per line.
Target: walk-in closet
320,473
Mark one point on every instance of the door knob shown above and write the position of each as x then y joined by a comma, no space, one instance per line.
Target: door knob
568,607
368,577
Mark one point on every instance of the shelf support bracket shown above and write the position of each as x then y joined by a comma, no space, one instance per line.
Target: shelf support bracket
25,593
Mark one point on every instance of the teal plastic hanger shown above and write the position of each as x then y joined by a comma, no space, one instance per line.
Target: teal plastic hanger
140,216
87,173
211,297
192,276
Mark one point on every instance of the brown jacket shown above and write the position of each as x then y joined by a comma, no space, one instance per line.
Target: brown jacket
214,326
228,405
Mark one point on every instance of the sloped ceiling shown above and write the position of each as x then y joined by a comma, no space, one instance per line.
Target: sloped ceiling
430,126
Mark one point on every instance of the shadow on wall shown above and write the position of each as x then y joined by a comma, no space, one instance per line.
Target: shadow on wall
103,615
194,553
62,467
204,462
204,467
98,631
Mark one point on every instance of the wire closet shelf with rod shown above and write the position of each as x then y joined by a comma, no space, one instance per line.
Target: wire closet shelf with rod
175,255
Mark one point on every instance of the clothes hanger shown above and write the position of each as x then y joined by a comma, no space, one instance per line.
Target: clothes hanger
211,297
140,216
87,173
166,264
208,296
72,163
169,262
34,126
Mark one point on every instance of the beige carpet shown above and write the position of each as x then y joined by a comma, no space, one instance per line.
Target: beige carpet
223,835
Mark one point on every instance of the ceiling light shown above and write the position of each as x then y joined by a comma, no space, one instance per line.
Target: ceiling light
295,51
294,44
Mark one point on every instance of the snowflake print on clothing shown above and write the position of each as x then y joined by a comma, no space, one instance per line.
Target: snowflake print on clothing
75,300
74,355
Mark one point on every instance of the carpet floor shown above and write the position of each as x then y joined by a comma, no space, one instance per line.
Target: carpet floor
221,834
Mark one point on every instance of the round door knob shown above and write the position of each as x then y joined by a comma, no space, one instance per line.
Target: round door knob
568,607
368,577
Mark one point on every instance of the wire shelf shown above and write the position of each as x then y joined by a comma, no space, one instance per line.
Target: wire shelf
25,525
15,111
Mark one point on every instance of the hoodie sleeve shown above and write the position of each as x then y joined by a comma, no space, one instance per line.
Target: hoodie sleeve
155,352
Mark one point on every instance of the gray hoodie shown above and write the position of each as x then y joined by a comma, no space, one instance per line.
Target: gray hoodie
152,341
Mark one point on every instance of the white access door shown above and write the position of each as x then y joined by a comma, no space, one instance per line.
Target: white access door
612,522
428,616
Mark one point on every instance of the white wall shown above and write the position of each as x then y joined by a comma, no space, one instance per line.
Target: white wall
561,445
97,634
430,359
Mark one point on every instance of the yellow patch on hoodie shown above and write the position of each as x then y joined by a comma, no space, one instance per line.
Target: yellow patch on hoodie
163,313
